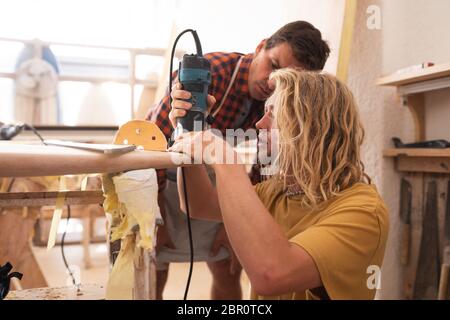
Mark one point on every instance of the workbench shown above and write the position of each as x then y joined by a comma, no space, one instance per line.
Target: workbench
33,159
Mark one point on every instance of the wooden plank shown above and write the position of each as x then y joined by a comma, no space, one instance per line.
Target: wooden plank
144,273
424,86
442,181
18,160
345,46
417,152
430,165
430,73
427,281
15,247
409,276
87,292
76,211
38,199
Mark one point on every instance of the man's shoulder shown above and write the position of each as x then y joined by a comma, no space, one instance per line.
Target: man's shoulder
223,62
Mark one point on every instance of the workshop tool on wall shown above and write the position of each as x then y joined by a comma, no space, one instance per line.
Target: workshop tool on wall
5,278
194,74
422,144
426,286
445,268
405,217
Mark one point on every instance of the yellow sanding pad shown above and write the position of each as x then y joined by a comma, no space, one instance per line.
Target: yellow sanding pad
141,133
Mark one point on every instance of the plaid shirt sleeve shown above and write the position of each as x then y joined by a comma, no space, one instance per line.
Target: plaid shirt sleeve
160,113
222,66
160,116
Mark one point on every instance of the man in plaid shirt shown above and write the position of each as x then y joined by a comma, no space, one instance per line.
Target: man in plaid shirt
297,44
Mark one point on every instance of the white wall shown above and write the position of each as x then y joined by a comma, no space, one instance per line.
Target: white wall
237,25
415,32
364,68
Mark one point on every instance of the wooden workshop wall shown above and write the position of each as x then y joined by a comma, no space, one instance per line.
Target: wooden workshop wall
410,32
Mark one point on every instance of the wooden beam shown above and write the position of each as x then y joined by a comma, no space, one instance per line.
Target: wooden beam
431,165
38,199
144,265
345,47
19,160
418,152
409,276
425,74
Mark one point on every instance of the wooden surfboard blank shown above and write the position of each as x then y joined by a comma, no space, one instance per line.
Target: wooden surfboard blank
21,160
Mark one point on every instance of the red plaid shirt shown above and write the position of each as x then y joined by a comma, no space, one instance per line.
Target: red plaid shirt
222,67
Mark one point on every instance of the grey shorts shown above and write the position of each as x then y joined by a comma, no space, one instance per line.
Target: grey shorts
203,234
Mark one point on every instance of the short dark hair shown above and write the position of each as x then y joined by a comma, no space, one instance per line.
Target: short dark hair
306,43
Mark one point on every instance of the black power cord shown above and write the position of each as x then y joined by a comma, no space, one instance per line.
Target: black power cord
9,131
62,248
191,244
30,127
5,277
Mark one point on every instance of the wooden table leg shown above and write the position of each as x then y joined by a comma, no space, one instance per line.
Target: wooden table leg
144,274
15,238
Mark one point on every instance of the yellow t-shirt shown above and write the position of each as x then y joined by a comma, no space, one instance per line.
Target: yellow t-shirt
345,236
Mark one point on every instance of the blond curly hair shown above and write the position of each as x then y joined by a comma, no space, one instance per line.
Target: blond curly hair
320,134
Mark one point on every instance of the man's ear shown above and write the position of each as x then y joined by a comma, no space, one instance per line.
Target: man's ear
260,46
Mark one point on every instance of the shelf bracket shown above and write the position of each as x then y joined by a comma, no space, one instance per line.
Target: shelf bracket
416,105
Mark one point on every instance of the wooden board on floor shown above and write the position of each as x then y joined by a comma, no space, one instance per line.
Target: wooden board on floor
87,292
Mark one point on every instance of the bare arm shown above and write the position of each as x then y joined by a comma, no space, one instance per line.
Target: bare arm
273,264
202,195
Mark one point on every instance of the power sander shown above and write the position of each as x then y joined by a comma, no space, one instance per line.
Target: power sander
194,74
9,131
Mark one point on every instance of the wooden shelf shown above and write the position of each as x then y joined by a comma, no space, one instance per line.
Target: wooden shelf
430,73
420,160
417,152
413,85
